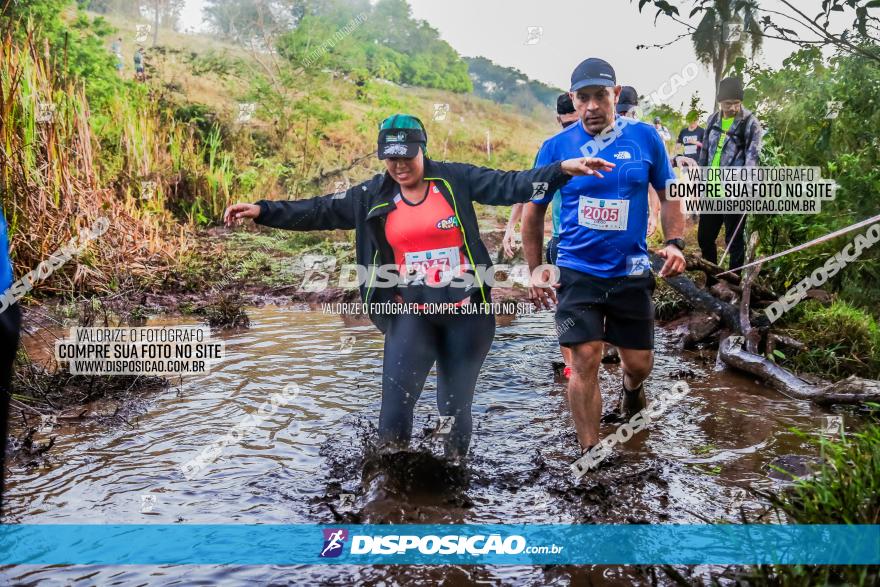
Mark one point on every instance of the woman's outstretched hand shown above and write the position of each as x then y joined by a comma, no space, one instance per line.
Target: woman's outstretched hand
587,166
238,211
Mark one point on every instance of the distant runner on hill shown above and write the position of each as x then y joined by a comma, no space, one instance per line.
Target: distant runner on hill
116,47
139,72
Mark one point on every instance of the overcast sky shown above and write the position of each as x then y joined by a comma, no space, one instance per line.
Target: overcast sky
573,30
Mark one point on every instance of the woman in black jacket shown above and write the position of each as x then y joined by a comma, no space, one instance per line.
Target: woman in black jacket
418,219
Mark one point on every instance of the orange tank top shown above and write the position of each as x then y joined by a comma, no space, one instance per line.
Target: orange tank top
426,239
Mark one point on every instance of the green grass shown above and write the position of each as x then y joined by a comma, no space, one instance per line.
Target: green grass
844,490
668,303
705,449
843,340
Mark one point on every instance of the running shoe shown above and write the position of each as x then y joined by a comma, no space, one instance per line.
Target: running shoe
631,402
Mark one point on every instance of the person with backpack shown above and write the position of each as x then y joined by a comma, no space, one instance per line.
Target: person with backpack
10,325
732,139
418,241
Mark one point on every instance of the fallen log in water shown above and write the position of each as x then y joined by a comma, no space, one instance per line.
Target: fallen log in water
699,298
751,335
853,390
697,263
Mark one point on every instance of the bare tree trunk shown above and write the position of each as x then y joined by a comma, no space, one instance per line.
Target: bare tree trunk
852,390
749,274
700,299
158,8
718,67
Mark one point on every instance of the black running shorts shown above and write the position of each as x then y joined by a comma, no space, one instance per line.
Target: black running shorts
619,310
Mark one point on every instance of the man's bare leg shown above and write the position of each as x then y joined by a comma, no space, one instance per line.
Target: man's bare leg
584,398
636,365
566,355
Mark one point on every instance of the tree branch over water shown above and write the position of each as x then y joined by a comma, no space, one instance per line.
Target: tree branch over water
769,20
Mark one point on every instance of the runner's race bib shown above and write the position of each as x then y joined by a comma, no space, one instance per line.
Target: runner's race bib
603,214
431,266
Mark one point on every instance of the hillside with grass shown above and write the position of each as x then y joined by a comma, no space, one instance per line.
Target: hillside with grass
213,123
331,118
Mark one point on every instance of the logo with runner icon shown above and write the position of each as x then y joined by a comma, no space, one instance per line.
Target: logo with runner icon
637,265
539,189
334,541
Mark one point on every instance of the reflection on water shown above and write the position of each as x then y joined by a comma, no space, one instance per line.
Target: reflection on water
686,469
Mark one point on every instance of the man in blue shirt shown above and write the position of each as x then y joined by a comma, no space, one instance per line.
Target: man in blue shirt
10,322
606,280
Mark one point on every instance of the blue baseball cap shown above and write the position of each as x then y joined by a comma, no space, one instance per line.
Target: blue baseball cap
593,72
628,99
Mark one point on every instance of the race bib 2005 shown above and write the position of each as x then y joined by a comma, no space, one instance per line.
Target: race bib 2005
431,266
603,214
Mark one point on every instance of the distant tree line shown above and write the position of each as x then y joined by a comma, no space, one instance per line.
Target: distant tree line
509,85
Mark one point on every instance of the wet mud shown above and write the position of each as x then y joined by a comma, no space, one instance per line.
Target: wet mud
314,461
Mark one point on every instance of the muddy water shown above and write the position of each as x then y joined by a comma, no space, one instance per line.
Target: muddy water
687,468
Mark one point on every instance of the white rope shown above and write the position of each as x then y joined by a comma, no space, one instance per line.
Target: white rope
731,237
816,241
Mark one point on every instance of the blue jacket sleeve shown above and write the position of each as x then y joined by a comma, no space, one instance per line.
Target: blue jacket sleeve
5,261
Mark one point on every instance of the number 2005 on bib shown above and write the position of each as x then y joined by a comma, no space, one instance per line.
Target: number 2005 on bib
603,214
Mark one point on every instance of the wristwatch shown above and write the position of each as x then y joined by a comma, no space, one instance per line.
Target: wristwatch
678,242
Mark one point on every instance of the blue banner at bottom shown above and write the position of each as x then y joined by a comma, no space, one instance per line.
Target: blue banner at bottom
495,544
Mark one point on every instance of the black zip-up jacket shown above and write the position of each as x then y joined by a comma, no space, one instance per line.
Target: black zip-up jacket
365,206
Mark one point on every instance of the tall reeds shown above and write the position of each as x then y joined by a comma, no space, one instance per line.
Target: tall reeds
54,185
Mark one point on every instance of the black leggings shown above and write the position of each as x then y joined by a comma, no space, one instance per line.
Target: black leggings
413,343
707,233
10,324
